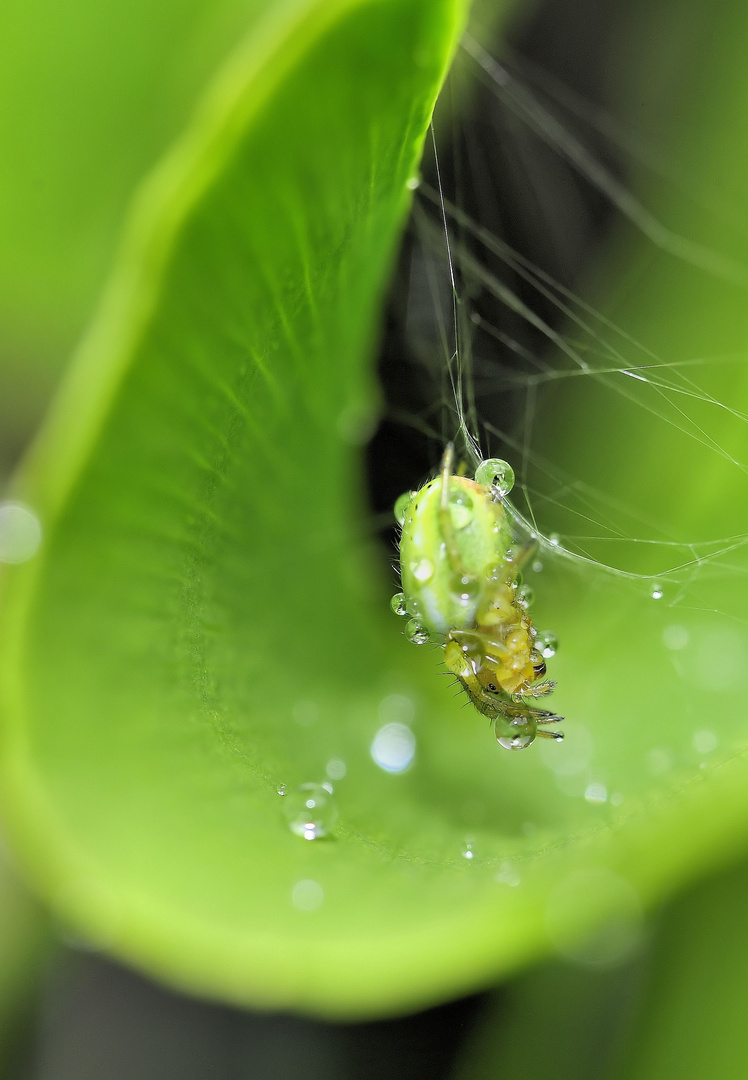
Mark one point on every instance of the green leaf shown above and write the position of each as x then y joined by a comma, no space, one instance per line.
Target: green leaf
692,1008
74,146
206,620
204,577
73,154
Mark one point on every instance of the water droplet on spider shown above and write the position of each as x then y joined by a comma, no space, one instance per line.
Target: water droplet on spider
281,789
20,533
514,734
496,474
546,643
465,589
467,850
554,540
416,632
423,570
399,604
460,509
525,596
412,606
656,590
310,811
401,506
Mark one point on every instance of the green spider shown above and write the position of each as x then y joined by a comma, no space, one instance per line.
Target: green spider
460,586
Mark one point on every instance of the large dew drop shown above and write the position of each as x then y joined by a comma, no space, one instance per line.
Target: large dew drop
514,734
546,643
416,632
496,474
310,811
398,604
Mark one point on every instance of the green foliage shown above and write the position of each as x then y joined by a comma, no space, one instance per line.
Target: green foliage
205,447
90,96
207,620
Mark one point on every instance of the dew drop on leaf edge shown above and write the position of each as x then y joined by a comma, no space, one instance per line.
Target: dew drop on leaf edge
310,811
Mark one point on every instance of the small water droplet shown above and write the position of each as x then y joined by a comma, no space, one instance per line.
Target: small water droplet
596,793
508,874
704,742
656,590
398,604
460,509
393,748
465,589
311,811
546,643
401,506
496,474
467,850
413,606
307,895
413,182
336,769
416,632
537,566
423,570
20,533
525,596
554,540
281,789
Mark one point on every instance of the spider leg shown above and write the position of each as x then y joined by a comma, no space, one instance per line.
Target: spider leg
538,690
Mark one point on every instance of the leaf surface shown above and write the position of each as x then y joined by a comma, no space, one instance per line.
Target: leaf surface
207,621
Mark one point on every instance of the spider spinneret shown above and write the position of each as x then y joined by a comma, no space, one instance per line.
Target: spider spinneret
460,579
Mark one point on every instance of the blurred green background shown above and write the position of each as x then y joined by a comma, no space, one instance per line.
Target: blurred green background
91,95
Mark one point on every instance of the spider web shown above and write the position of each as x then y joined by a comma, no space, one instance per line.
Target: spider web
523,365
